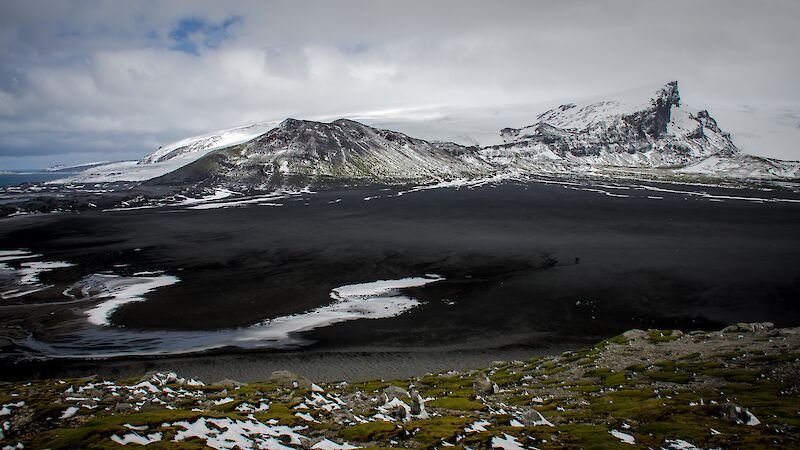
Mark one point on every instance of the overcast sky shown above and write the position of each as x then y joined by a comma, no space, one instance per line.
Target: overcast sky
92,80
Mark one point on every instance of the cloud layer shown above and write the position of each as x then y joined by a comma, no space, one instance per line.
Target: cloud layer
94,80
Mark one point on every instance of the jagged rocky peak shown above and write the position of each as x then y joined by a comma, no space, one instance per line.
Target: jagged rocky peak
637,122
653,121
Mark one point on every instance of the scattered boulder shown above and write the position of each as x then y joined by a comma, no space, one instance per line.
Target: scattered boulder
148,376
290,380
396,409
393,392
483,385
123,407
397,412
632,335
534,418
739,415
228,383
417,405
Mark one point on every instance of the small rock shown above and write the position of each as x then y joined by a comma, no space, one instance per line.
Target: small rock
123,407
632,335
290,380
534,418
417,404
737,414
393,392
398,412
148,376
228,383
483,385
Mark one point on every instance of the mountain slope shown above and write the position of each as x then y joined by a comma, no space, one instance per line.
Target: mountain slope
301,151
173,156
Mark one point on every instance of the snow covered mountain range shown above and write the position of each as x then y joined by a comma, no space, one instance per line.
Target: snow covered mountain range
636,132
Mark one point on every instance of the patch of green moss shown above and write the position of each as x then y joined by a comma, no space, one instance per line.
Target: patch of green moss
282,413
588,436
370,431
433,431
457,403
640,367
608,378
658,336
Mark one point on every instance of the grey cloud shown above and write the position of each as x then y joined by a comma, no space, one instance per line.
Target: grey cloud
79,77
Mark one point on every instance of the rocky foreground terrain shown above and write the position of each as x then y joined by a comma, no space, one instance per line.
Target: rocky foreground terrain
735,388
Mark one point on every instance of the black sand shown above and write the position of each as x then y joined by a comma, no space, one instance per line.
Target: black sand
530,269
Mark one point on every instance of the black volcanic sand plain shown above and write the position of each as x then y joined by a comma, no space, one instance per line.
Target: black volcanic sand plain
530,268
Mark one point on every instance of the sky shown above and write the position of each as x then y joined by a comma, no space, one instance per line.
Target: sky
92,80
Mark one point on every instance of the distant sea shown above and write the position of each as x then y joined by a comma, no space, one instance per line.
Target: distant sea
12,178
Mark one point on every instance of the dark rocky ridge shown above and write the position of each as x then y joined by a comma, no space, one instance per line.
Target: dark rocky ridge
633,133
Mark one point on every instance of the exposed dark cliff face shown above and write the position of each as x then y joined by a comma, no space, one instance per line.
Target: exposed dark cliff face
652,122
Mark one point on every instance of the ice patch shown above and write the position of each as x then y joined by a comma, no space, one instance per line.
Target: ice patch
133,438
477,427
624,437
679,444
506,442
69,412
8,407
326,444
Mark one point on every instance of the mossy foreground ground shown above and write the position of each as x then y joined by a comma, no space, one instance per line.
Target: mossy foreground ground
658,389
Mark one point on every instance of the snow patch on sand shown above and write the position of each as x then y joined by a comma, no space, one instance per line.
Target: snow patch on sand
372,300
24,279
116,291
